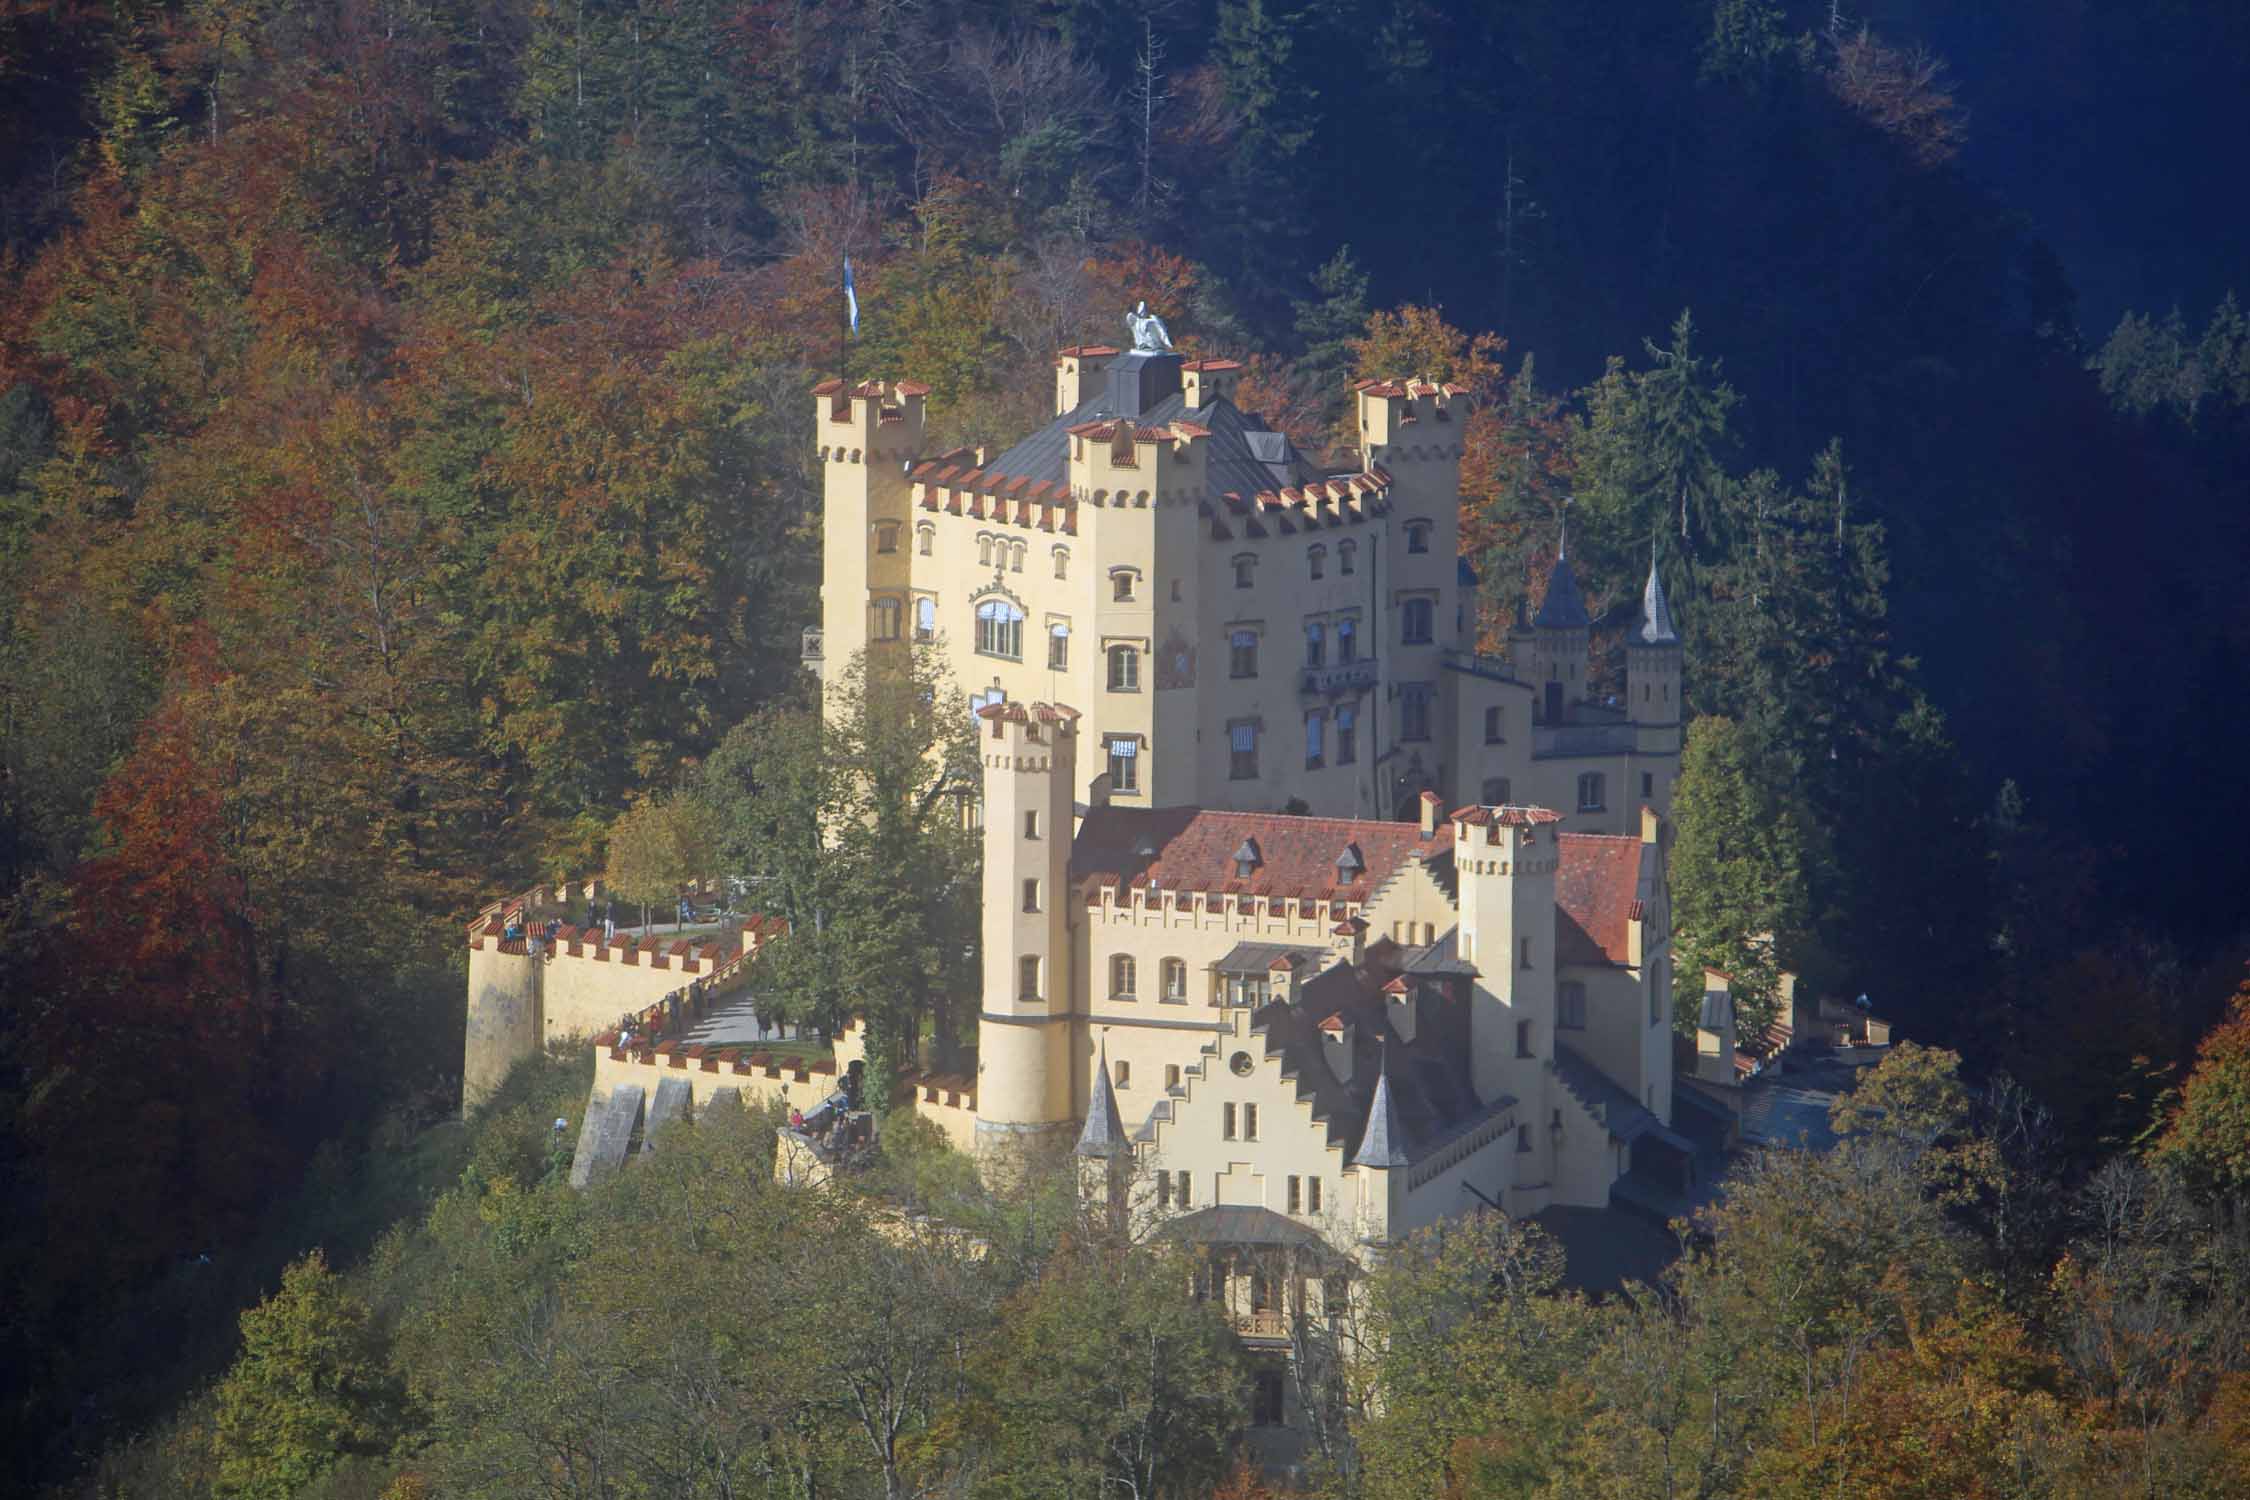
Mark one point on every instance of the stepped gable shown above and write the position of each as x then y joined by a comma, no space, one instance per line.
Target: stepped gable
1245,457
1192,849
1597,895
1431,1090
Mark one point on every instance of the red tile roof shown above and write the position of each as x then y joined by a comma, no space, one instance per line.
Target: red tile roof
1597,881
1193,850
1086,351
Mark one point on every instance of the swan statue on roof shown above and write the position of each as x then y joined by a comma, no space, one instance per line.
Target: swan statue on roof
1149,333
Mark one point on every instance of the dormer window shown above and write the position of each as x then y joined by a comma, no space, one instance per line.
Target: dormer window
1246,859
1349,865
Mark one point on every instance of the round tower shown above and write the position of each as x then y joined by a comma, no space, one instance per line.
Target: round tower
503,1017
1024,1075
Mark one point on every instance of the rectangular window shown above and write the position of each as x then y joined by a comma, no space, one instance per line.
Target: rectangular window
1163,1190
1417,620
1296,1195
1182,1186
1524,953
1171,1076
1590,792
886,537
1242,653
1317,559
1031,824
1413,711
1570,1005
1249,1122
1121,977
1418,536
1492,724
1175,980
1027,978
1124,669
1031,895
1523,1140
1124,765
1226,1122
1062,563
1242,752
1058,648
1316,644
1523,1039
1347,642
1124,1071
1312,1195
1312,740
925,540
1347,736
1242,571
1121,587
1648,785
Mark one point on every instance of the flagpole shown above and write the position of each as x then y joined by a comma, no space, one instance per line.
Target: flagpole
843,329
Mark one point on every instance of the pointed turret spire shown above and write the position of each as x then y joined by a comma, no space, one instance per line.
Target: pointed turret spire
1384,1143
1104,1134
1656,615
1564,608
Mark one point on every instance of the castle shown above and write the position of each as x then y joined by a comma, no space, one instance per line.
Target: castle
1448,987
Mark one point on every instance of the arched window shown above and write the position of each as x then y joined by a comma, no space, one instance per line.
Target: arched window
1058,648
886,619
1347,558
1015,558
1124,669
1417,536
1121,979
1062,562
1175,979
1000,629
1316,560
925,619
984,552
925,539
1590,792
1416,623
1121,585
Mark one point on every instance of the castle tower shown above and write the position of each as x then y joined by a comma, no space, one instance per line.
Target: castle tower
1504,859
1652,659
1077,374
1139,486
1381,1157
1024,1075
866,438
1561,636
503,1018
1412,431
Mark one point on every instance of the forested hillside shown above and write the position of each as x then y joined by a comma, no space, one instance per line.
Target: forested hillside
404,443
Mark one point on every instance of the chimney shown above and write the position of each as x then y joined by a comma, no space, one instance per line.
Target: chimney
1281,974
1337,1038
1714,1030
1351,940
1430,806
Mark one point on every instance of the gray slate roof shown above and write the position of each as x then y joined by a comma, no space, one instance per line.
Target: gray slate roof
1257,958
1384,1145
1627,1120
1245,456
1656,615
1231,1224
1104,1134
1564,608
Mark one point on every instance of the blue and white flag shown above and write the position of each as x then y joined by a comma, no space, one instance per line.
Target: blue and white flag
851,298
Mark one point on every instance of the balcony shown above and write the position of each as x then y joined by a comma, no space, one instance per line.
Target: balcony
1268,1326
1348,677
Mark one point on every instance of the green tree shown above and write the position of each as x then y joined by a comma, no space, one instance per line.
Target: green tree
311,1386
1103,1377
1737,871
850,825
657,847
